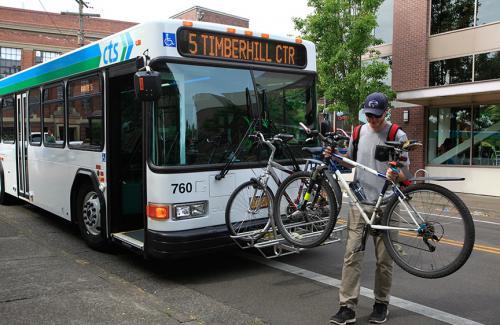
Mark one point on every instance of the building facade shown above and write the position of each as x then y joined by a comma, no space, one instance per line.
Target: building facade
29,37
445,59
198,13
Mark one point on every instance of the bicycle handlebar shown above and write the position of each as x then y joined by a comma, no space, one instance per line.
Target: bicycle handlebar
331,137
258,136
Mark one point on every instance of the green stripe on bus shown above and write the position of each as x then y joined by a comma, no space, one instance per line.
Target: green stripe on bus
124,48
79,67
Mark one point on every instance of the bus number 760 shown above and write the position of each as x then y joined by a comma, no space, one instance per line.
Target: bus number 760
182,187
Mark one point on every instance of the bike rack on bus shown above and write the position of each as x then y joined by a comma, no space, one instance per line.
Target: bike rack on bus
273,245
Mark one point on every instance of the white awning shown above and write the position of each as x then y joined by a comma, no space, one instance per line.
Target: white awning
484,92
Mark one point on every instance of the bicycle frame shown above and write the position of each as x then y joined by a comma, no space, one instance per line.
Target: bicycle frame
271,165
332,169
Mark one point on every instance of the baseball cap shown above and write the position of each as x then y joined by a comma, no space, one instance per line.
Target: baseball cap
375,103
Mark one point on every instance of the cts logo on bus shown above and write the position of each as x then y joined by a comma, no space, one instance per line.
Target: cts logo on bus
118,49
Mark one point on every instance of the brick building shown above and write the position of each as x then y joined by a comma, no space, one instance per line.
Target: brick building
28,37
445,59
197,13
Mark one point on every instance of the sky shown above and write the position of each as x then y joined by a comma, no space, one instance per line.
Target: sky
269,16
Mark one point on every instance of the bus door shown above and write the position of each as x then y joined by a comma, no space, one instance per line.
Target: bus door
22,145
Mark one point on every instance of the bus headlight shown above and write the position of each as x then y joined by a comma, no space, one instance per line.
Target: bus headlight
190,210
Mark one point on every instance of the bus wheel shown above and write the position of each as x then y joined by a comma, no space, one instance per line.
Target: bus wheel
91,219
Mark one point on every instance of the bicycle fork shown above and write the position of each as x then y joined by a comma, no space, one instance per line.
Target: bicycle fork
307,195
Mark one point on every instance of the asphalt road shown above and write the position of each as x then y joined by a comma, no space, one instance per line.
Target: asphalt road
48,276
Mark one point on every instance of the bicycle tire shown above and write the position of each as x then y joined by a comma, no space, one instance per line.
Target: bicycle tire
240,218
409,249
304,229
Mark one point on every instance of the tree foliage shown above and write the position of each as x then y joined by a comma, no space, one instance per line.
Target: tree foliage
343,32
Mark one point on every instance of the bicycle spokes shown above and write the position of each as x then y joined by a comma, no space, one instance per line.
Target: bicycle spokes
439,237
309,222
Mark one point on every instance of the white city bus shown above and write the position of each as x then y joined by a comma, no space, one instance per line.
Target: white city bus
143,173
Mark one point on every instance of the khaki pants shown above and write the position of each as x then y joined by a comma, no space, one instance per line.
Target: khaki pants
351,270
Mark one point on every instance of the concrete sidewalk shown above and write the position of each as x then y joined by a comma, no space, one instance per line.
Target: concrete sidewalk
49,276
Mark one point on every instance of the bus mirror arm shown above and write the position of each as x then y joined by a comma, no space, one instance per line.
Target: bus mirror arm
147,83
142,62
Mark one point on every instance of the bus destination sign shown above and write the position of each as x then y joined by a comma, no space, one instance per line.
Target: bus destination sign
224,46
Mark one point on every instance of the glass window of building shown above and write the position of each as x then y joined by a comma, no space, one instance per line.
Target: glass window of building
8,119
85,118
35,122
53,116
450,71
487,66
44,56
384,27
449,15
486,148
464,135
488,11
10,61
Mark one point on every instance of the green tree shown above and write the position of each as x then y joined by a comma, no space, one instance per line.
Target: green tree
343,33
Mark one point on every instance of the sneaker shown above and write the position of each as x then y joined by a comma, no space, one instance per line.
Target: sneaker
345,315
379,313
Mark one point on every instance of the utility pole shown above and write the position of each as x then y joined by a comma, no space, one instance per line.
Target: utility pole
81,15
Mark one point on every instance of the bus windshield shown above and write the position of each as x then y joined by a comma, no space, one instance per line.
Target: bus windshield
204,112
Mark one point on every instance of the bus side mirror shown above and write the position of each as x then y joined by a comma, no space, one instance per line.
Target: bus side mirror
147,85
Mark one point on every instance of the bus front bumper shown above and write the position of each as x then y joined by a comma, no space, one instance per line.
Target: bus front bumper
163,244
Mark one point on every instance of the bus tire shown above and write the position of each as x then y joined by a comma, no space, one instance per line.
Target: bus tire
90,211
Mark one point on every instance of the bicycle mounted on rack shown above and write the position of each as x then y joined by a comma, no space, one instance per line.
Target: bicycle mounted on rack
249,211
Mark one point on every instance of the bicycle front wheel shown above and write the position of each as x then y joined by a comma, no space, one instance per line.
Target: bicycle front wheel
439,231
312,225
248,211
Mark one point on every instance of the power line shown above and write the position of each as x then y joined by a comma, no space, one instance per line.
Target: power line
50,17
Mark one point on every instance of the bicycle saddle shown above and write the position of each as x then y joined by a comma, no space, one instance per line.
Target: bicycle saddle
284,137
313,150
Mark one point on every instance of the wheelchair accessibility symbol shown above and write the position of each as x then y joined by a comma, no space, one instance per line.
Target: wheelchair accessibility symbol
169,39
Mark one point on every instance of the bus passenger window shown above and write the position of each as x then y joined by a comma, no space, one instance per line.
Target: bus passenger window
53,116
8,114
85,118
35,123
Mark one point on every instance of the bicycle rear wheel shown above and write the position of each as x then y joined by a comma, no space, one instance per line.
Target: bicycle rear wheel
443,240
248,211
312,226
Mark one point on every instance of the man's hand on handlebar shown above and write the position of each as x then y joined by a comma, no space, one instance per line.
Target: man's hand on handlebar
327,152
392,174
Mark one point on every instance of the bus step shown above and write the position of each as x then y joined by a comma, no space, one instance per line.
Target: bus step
134,238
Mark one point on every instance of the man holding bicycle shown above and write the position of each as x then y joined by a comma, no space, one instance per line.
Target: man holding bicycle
370,135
